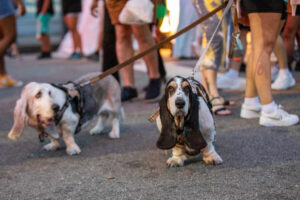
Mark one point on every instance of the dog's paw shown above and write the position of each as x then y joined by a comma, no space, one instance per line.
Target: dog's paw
176,161
96,130
212,159
73,150
13,136
51,146
114,134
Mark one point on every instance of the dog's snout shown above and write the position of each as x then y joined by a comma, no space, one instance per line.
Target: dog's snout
55,107
180,103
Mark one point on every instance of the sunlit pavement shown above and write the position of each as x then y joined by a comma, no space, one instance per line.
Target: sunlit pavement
259,162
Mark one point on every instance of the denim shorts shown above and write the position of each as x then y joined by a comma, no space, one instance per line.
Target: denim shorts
6,8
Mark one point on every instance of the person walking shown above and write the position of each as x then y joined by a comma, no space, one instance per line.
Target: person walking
8,34
265,24
44,13
125,51
71,10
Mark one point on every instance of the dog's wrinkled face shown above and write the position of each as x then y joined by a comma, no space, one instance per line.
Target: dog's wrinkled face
37,106
43,103
178,103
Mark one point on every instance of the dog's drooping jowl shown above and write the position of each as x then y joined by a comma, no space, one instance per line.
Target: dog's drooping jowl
60,110
186,123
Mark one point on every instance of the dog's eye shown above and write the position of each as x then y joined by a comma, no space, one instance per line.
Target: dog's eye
38,95
171,89
49,93
186,89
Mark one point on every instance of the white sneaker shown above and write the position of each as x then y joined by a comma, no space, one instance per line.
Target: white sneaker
250,111
283,82
278,118
274,72
229,83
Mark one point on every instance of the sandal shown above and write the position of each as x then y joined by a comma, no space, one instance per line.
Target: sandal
219,108
225,102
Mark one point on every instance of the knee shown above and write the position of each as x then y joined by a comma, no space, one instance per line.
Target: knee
268,46
143,35
123,34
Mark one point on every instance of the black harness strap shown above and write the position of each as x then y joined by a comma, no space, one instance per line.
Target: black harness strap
76,102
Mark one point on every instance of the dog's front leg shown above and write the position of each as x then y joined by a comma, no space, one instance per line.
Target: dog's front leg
210,156
178,157
68,137
53,145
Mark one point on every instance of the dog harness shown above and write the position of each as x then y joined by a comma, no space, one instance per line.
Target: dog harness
74,98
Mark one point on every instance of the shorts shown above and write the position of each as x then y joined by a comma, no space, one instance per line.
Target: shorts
43,22
266,6
115,7
6,8
71,6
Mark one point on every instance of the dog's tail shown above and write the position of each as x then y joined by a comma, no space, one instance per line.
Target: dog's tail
122,114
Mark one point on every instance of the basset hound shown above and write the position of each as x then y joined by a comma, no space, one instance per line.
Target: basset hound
186,123
55,111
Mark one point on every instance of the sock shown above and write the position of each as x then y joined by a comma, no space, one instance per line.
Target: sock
284,72
269,108
254,101
232,73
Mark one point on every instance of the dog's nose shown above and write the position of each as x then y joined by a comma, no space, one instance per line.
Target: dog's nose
180,103
55,107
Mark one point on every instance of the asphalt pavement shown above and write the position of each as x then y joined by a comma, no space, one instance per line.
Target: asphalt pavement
259,162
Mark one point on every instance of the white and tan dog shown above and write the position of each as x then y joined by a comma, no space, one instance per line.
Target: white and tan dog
186,123
40,103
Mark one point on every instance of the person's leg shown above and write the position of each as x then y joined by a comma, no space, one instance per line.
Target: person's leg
264,29
284,79
230,79
291,28
124,52
71,22
109,45
8,32
77,35
45,43
145,40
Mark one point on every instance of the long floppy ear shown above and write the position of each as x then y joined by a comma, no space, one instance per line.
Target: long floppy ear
167,138
193,136
20,119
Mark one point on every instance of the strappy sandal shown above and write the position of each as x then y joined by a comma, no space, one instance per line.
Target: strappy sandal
225,101
219,108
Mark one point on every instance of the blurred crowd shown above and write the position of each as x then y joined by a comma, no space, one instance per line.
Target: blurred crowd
257,36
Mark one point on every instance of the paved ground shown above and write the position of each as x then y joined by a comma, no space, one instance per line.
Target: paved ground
259,162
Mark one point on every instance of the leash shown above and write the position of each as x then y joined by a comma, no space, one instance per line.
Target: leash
155,47
201,59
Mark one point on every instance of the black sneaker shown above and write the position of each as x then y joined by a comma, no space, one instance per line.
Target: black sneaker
44,55
128,93
153,89
94,57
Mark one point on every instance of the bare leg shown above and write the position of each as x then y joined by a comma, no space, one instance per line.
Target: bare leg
145,40
292,25
45,41
264,34
71,22
211,83
7,37
124,52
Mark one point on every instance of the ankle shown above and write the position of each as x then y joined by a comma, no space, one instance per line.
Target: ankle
252,101
269,108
